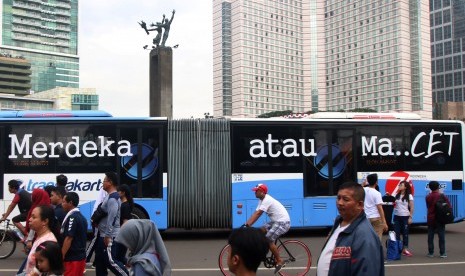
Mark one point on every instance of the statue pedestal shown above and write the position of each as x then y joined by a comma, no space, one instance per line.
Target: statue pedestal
161,82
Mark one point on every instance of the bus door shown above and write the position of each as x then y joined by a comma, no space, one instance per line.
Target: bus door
143,172
331,165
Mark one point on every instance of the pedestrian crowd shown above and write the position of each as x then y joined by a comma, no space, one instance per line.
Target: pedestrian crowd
354,245
55,232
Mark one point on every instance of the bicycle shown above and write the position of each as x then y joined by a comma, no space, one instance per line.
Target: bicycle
296,256
8,239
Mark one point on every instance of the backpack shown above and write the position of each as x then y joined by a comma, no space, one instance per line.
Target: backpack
444,213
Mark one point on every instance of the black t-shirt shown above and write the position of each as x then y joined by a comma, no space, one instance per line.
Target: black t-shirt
125,212
25,201
76,226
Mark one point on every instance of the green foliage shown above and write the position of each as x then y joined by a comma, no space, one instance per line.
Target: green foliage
275,114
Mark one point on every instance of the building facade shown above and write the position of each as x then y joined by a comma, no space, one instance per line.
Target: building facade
15,75
447,19
259,59
321,55
45,32
67,98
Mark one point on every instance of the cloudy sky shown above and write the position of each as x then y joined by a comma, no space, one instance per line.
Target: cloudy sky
113,61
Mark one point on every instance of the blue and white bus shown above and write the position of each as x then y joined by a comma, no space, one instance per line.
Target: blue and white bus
198,173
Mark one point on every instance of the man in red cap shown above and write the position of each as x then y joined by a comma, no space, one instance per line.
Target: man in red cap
279,223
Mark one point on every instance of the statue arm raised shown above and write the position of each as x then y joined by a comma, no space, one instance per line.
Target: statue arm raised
172,16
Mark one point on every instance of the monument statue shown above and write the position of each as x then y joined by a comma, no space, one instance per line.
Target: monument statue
159,26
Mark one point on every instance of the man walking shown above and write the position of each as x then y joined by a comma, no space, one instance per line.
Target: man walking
109,253
433,225
73,230
352,247
374,206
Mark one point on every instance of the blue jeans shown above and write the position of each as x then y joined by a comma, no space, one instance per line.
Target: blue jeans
441,230
109,258
401,227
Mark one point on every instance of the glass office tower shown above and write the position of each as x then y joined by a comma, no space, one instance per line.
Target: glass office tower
44,32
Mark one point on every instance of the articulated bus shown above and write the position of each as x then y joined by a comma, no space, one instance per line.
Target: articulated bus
198,173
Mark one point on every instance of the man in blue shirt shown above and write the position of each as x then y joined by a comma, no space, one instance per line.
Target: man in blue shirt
73,230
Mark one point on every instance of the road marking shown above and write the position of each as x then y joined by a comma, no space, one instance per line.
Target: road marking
262,268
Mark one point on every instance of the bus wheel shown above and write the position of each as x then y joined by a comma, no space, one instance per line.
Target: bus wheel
137,213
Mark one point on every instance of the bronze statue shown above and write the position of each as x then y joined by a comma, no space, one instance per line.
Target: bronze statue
159,26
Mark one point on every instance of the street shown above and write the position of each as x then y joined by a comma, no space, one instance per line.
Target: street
196,252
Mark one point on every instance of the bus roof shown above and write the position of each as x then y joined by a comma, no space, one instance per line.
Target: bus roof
362,116
53,113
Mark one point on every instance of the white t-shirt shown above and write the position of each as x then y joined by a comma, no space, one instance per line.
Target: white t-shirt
372,198
401,207
325,256
275,210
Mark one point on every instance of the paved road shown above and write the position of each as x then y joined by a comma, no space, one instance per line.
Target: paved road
195,254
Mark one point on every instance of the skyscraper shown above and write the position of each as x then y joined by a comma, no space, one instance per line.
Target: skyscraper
447,20
259,58
45,33
321,55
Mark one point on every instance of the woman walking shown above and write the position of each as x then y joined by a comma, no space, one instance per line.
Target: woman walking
403,212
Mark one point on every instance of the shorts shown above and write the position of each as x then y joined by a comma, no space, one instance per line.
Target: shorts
74,267
274,230
19,218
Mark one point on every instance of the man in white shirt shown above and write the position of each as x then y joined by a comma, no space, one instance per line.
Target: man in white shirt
279,223
373,206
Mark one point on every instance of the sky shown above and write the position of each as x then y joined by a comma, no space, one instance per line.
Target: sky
113,61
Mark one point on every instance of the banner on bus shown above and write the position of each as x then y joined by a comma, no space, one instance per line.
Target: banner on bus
86,185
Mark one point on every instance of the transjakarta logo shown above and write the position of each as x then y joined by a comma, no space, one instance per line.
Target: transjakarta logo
86,185
75,148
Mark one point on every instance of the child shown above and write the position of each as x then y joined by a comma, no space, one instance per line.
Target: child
49,260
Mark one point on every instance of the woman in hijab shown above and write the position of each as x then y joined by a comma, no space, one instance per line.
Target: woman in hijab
148,252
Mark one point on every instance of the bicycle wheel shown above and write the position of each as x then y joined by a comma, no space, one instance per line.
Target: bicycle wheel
7,244
297,256
223,260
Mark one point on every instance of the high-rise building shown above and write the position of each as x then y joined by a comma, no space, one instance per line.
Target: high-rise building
447,19
321,55
45,32
260,61
15,75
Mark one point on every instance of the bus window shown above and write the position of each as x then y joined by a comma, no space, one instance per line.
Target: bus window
261,149
333,163
145,179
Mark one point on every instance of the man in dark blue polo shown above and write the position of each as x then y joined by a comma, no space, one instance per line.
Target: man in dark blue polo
73,230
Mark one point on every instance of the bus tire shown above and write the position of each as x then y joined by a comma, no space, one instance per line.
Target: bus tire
139,213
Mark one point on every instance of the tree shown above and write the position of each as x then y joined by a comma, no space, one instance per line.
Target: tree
275,114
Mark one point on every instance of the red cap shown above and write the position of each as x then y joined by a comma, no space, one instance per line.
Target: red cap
262,187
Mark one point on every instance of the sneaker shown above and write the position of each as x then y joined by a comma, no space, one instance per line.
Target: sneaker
430,255
407,253
443,256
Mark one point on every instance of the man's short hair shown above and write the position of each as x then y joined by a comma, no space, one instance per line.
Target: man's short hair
372,179
62,180
112,177
13,184
250,244
73,198
433,185
59,190
359,192
49,189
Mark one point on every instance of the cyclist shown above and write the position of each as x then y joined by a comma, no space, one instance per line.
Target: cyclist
23,199
279,223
